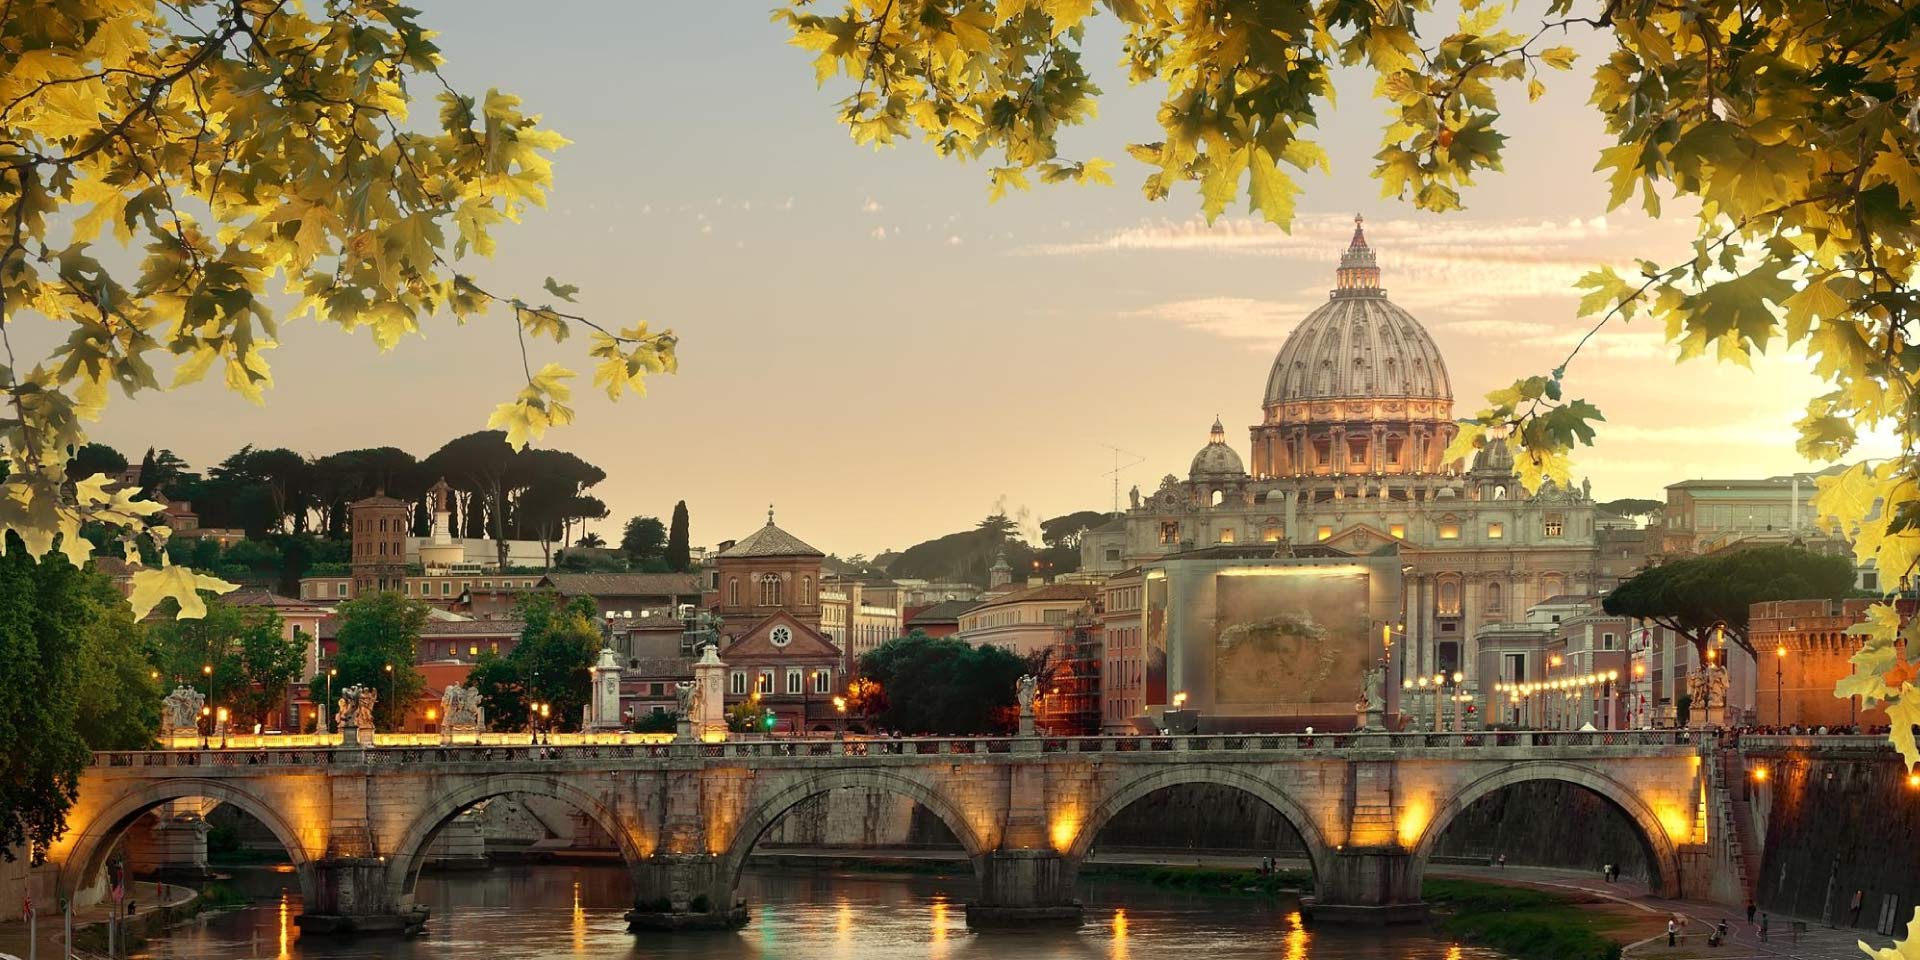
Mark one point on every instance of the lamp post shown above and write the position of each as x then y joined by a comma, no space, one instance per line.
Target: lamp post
221,716
206,670
206,727
1459,711
840,707
392,708
1779,685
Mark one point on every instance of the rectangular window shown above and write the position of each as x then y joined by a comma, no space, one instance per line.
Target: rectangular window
339,589
1324,533
793,680
655,689
1555,524
822,681
1270,535
1449,531
739,682
473,650
446,588
1226,535
1495,531
1112,554
493,647
1398,531
486,584
1606,641
766,681
1170,533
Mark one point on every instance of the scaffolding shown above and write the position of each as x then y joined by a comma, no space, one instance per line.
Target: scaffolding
1069,704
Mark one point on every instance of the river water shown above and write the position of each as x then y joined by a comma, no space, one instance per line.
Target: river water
548,911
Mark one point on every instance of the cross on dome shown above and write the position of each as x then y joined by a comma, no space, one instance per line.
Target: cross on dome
769,514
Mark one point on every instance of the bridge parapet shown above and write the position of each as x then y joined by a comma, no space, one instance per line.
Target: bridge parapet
687,815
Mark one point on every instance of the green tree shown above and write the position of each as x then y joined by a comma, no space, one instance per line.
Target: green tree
42,753
941,685
745,717
1633,507
551,663
253,660
1696,596
117,706
679,549
95,458
644,540
378,631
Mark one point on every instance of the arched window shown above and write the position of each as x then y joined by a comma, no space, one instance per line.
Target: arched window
806,591
1219,497
1450,597
1553,585
733,591
770,590
1493,596
1500,492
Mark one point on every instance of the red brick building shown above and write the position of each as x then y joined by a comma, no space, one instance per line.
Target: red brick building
769,571
787,667
1803,650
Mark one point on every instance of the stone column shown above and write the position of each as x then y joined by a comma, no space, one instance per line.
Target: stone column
678,891
711,675
1025,888
1367,885
351,889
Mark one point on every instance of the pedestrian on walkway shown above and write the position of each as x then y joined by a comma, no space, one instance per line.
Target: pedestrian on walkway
1673,932
1763,928
1720,932
1749,909
1503,861
1606,872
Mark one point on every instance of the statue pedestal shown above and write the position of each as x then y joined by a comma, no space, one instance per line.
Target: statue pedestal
355,736
1026,723
604,712
710,714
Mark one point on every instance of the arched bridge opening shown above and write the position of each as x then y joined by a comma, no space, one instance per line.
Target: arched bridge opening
160,828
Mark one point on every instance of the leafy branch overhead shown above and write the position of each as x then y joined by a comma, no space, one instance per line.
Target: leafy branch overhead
245,148
1789,132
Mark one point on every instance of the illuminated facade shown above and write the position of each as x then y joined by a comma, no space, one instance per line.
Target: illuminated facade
1357,411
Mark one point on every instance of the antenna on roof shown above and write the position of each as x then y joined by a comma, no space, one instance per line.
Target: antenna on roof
1117,467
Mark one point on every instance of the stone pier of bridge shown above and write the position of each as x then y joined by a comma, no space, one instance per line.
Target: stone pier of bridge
357,822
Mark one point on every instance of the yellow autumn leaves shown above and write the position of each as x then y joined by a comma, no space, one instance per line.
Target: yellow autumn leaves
265,147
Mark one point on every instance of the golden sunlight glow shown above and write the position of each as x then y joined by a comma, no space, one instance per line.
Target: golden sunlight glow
1341,570
285,952
939,943
843,922
1119,951
1674,819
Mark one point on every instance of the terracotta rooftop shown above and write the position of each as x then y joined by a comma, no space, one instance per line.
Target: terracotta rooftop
1046,591
770,541
946,611
623,584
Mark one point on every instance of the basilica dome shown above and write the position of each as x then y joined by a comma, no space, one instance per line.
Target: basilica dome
1358,345
1359,388
1216,460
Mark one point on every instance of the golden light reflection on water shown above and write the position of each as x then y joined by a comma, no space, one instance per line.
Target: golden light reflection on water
1120,934
939,944
285,952
1453,952
843,922
579,923
1297,937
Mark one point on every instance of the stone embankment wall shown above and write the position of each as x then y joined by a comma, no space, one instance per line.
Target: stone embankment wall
1834,825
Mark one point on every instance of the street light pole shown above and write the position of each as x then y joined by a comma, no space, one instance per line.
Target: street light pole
1779,685
392,707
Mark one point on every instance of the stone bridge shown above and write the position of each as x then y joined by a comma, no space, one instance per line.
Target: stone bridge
685,816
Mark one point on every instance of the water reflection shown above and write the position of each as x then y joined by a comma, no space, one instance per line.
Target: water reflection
523,913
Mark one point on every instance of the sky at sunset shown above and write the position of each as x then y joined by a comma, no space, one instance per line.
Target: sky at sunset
872,347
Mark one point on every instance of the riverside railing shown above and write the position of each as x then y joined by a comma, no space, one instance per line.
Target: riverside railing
1302,744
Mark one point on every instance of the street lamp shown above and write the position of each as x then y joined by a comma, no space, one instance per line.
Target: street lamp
840,707
392,708
327,704
1779,685
222,717
206,727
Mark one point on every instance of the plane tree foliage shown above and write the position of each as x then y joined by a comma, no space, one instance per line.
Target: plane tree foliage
1788,132
240,150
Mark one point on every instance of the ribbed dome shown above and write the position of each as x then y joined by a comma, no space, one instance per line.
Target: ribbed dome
1493,458
1216,459
1358,345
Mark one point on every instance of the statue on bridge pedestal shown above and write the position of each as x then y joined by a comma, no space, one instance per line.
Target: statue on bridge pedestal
460,712
180,713
356,714
1372,705
689,701
1027,691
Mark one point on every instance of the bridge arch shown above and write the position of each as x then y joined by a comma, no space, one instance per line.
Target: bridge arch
81,869
765,812
1663,858
1160,778
407,854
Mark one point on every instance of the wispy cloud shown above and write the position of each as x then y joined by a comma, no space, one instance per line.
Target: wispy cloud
1259,324
1465,266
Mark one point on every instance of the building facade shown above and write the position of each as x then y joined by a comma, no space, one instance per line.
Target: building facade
1123,673
1027,621
857,618
1804,651
1347,454
769,571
